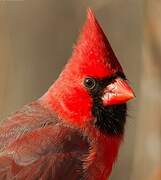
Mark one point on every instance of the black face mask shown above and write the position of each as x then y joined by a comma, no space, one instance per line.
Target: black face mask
108,119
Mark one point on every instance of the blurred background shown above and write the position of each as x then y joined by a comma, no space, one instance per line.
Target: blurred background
36,39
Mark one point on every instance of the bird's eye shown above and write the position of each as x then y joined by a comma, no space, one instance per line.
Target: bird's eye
90,83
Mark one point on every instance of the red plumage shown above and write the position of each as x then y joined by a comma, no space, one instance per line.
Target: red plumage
73,131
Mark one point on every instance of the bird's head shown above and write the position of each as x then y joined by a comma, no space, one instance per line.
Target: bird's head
92,87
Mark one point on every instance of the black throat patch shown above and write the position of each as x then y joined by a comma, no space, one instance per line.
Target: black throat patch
110,120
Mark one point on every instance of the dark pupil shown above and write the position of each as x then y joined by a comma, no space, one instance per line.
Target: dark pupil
89,83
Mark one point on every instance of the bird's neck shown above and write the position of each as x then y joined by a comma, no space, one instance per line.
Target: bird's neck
70,104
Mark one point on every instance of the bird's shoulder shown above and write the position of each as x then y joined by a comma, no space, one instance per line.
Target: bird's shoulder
34,138
25,120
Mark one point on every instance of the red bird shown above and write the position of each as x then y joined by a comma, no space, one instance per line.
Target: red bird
74,131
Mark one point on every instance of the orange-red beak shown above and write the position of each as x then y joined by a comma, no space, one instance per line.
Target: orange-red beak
117,92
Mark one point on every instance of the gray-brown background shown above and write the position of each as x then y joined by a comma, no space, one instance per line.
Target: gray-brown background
36,39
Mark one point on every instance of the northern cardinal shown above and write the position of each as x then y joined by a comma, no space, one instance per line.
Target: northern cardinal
74,131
